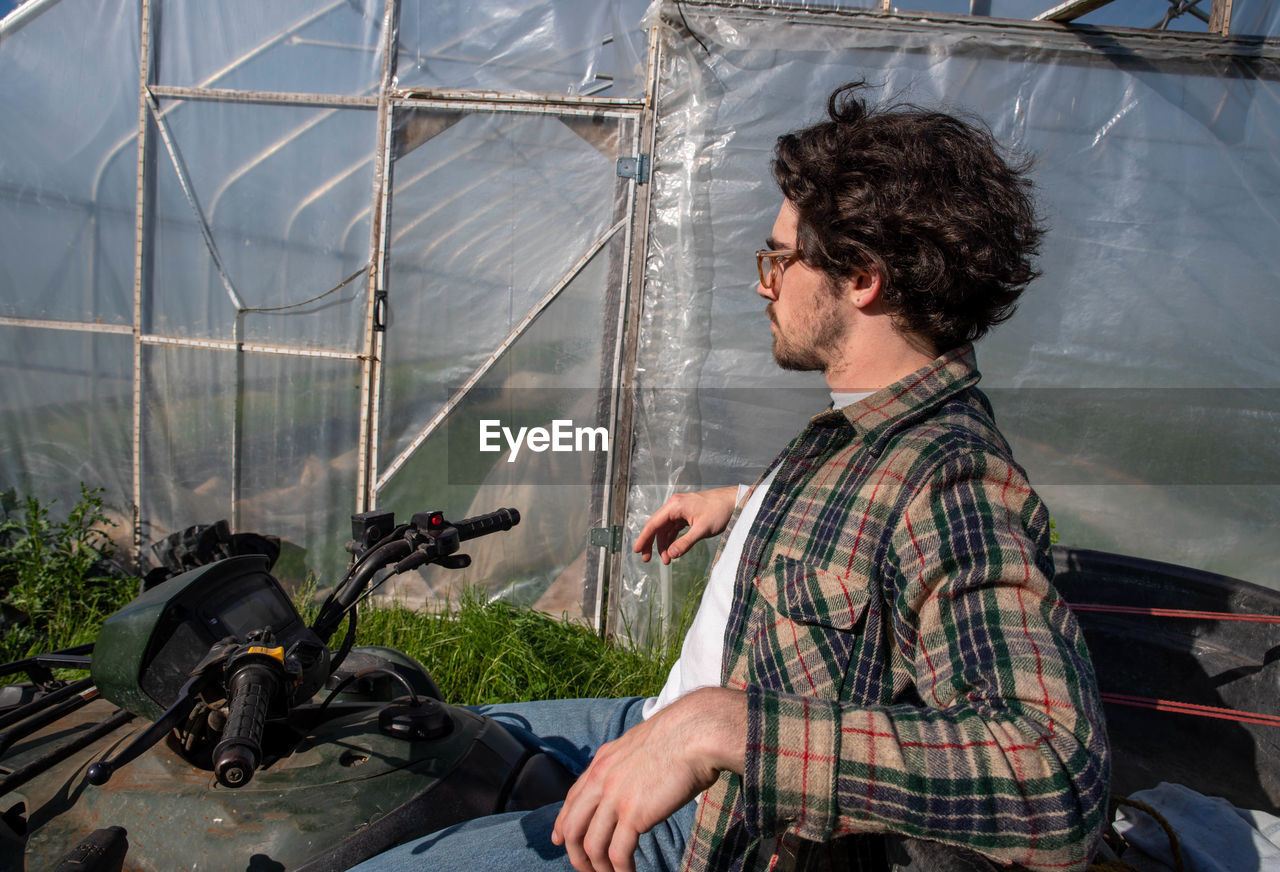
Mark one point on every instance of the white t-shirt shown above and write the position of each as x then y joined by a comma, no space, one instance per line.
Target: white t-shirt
703,647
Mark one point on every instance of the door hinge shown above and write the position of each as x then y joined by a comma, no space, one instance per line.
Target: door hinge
634,168
609,538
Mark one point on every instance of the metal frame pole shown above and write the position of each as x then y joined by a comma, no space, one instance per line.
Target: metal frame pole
375,338
608,587
142,245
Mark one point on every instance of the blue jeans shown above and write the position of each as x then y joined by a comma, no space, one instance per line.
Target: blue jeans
570,730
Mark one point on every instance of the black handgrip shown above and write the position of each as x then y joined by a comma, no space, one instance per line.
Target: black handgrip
237,756
482,525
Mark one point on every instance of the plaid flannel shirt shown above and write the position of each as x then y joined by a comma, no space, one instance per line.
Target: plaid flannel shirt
909,667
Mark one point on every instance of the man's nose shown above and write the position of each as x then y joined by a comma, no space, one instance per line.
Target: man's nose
770,293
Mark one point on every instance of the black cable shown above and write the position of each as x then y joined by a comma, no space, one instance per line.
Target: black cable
365,673
347,642
680,9
358,576
359,562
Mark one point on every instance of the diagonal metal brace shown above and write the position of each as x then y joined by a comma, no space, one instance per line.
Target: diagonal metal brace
184,179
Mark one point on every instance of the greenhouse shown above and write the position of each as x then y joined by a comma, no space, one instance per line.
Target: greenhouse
356,283
279,263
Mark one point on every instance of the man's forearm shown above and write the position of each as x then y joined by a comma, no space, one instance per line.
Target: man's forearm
997,783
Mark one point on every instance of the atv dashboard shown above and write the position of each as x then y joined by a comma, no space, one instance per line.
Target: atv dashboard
156,641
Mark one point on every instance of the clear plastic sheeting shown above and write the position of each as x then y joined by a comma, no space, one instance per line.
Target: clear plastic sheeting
552,372
216,424
1256,17
507,255
284,193
66,243
1249,18
66,204
491,210
568,47
1119,381
287,46
65,413
245,262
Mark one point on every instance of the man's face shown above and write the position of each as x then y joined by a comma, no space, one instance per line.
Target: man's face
806,321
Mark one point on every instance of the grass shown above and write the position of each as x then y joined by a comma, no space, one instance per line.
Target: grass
486,652
58,584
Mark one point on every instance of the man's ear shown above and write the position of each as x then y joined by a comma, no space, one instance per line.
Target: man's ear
864,287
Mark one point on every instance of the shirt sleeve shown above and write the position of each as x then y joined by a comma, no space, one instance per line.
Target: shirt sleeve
1003,750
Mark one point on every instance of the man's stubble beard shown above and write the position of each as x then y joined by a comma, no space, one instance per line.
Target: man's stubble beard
796,359
826,332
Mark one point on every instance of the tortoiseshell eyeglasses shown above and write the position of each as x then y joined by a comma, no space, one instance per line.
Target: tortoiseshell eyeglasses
777,259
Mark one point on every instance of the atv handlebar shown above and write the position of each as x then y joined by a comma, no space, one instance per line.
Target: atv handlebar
482,525
427,538
251,690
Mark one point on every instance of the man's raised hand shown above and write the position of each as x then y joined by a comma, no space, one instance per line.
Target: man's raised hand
705,513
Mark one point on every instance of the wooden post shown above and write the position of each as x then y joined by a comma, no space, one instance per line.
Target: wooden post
1220,17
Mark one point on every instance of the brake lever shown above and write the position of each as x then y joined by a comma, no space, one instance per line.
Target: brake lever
204,675
438,544
100,773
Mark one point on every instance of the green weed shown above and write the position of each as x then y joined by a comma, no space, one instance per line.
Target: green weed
57,584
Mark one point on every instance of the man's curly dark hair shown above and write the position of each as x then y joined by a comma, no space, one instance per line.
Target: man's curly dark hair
922,197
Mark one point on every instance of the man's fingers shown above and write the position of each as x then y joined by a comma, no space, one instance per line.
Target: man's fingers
599,837
623,794
571,839
661,526
622,851
670,518
662,538
705,513
572,822
665,539
694,534
644,541
559,830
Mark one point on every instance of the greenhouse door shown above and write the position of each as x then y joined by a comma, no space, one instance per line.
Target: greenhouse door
508,249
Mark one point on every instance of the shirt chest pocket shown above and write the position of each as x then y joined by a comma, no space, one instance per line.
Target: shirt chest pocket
803,642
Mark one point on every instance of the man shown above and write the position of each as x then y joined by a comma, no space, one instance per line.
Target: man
895,658
880,671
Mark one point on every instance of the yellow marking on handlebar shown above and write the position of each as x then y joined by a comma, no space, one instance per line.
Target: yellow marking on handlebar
277,652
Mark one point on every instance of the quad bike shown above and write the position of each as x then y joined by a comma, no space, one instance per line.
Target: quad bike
217,731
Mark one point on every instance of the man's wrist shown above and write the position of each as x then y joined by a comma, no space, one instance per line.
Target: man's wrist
718,727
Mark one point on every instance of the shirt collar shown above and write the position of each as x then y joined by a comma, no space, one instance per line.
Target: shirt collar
917,394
